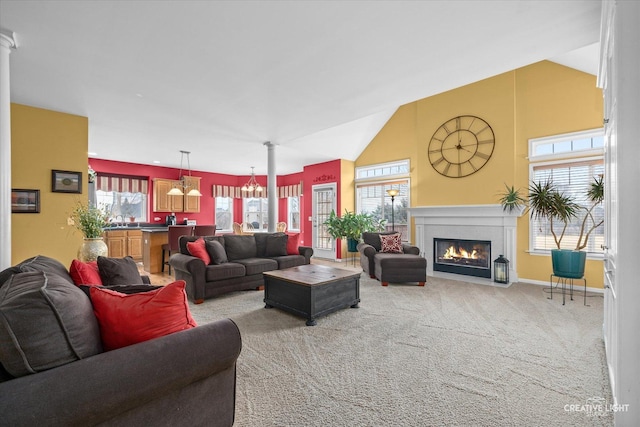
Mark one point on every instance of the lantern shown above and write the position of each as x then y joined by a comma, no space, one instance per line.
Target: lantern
501,270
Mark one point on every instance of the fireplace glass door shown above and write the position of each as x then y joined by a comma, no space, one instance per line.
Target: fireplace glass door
459,256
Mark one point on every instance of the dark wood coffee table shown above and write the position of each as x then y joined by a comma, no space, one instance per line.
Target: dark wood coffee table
312,290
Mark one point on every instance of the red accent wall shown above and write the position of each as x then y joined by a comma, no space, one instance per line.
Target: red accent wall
207,208
208,179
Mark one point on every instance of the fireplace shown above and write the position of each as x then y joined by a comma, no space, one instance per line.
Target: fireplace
461,256
468,222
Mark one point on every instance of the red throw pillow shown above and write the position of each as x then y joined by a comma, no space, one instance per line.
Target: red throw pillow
199,249
391,243
292,244
85,273
130,319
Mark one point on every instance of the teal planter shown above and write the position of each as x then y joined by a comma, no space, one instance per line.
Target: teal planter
352,245
568,263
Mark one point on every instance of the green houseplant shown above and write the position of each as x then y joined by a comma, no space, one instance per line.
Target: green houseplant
351,225
545,201
90,221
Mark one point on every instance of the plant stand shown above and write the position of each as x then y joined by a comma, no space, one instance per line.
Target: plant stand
565,281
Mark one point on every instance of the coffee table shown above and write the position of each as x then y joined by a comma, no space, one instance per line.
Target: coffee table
311,290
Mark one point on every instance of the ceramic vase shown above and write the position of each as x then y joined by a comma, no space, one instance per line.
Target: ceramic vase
91,249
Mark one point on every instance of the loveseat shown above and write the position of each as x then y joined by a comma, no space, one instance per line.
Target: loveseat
55,373
391,262
236,262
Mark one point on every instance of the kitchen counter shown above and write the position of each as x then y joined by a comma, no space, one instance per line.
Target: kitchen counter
152,240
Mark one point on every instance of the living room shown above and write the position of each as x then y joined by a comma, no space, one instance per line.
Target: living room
537,100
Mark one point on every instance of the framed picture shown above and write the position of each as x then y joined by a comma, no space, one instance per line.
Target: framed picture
66,181
25,201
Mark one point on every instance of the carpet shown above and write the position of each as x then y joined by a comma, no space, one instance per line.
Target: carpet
447,354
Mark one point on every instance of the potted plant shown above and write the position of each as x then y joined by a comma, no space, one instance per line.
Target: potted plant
545,201
90,221
351,225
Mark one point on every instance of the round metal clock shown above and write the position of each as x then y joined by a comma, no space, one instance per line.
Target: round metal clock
461,146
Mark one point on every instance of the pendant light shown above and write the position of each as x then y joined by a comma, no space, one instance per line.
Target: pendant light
183,186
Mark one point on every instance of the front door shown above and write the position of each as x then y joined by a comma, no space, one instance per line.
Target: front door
324,201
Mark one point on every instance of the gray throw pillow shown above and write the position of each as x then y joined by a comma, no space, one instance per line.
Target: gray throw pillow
119,271
239,247
216,252
47,322
276,245
46,265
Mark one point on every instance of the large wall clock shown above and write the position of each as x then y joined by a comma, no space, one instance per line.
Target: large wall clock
461,146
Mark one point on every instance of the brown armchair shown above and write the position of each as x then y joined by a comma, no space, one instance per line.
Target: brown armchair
408,266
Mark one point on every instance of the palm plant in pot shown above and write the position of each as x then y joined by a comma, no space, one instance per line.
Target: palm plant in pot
545,201
350,226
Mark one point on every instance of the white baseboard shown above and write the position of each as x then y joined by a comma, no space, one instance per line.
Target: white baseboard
544,283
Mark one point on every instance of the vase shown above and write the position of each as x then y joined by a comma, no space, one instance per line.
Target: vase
568,263
91,249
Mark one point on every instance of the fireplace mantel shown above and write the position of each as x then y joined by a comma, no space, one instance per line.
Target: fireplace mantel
481,222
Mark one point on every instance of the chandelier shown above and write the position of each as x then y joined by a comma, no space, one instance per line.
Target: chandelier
183,185
252,184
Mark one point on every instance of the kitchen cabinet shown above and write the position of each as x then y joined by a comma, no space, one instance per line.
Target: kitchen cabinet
122,243
162,202
192,203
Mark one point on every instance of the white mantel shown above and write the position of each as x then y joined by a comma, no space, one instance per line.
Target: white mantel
475,222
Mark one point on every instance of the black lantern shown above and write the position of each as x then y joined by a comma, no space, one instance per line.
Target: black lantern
501,270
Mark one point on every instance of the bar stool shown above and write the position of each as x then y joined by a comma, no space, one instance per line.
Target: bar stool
204,230
172,245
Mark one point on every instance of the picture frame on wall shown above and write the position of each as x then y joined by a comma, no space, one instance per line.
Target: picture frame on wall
66,181
25,201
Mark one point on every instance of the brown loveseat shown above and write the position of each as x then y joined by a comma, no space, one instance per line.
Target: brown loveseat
185,378
239,267
408,266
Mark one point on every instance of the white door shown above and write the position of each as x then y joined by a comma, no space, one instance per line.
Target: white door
324,201
608,81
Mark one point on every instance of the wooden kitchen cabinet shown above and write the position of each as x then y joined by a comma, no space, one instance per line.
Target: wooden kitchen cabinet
116,241
192,203
122,243
134,244
162,202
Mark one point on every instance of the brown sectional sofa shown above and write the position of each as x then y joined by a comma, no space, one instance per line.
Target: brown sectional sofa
185,378
248,256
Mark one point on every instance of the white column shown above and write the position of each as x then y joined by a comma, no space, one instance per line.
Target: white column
7,42
272,198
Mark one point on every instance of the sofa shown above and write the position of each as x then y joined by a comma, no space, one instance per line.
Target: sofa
57,379
236,262
391,262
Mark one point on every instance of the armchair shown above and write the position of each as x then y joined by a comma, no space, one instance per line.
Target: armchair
408,266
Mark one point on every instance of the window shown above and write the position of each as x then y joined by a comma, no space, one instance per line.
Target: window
569,161
372,183
224,213
256,212
293,208
124,198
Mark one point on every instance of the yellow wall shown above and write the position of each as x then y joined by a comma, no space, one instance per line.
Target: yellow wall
42,140
538,100
347,195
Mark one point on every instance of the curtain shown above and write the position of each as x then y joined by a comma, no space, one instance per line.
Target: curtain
122,183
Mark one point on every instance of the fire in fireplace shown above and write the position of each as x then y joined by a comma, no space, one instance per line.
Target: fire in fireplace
459,256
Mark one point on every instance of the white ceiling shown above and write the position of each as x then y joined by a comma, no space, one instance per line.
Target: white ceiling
318,78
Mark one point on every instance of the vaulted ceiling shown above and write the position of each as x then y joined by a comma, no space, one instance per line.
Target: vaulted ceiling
317,78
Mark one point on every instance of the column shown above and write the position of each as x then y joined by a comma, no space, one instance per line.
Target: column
272,196
7,42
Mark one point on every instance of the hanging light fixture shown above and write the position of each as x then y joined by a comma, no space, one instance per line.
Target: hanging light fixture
184,185
252,184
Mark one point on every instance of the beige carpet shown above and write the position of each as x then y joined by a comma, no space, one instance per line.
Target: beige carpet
448,354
